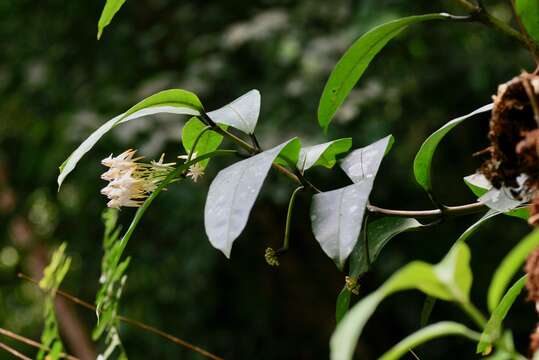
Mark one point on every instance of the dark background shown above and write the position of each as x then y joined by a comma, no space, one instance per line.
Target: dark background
57,84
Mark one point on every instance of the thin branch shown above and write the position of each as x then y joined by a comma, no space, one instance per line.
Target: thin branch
13,352
133,322
32,343
529,41
479,13
300,179
448,211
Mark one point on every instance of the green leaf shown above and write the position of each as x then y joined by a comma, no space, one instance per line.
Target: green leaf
363,164
355,60
337,216
493,328
53,275
444,328
448,280
323,154
343,302
475,226
480,186
509,266
379,232
426,311
110,9
478,183
501,199
241,113
528,12
175,101
336,219
208,142
455,273
232,195
423,159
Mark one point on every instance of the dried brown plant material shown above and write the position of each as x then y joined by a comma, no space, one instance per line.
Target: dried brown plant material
532,269
534,341
513,135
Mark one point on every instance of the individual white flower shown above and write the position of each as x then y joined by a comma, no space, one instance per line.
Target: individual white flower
120,161
195,171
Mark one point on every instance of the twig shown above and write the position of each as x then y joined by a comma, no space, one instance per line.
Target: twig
133,322
479,14
300,179
529,41
32,343
13,352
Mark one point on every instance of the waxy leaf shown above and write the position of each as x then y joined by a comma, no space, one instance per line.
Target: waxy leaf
528,12
342,305
509,266
379,232
209,141
444,328
175,101
363,163
455,273
323,154
448,280
232,195
423,159
493,328
110,9
478,183
355,60
480,186
500,200
241,113
337,215
336,218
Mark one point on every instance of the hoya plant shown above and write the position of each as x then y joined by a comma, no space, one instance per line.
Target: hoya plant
350,229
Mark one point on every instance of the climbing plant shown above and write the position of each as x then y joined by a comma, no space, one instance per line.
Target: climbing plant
348,227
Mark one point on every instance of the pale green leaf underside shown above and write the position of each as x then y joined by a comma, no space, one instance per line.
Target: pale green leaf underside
233,192
363,164
336,218
241,113
175,101
323,154
510,265
356,59
480,186
448,280
423,159
110,9
493,328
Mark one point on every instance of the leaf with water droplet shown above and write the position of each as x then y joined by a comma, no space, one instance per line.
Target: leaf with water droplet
241,113
336,218
232,195
363,163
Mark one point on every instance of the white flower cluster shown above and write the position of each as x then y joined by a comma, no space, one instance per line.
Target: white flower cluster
130,182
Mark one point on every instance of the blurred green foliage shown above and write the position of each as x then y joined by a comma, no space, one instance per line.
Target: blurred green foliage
57,84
